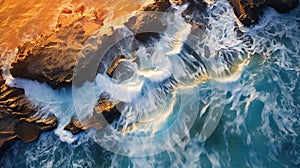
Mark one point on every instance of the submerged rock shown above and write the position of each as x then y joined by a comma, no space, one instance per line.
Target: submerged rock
16,120
249,11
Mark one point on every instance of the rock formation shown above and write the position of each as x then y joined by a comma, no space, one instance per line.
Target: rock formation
105,112
158,5
52,57
16,117
249,11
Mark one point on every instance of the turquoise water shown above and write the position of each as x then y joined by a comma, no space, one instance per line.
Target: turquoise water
260,121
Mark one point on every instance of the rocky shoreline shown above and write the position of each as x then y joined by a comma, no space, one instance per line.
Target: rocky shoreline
51,58
18,119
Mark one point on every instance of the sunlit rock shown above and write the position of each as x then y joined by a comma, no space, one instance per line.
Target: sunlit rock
105,112
52,57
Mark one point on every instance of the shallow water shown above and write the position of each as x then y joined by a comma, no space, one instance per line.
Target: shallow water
253,85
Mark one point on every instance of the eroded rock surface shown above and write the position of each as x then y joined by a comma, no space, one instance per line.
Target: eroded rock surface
249,11
52,57
16,120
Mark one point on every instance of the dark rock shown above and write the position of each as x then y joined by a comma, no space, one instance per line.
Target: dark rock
155,23
158,5
148,26
195,5
249,11
177,2
16,120
283,6
107,109
2,81
105,112
27,131
110,71
74,127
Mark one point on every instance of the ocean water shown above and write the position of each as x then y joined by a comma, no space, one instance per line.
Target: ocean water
230,94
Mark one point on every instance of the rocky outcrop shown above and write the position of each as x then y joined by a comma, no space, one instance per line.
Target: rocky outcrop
195,5
158,5
105,112
110,71
283,6
163,6
52,57
75,127
16,120
249,11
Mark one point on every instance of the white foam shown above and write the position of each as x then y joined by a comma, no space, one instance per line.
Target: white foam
156,75
122,92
